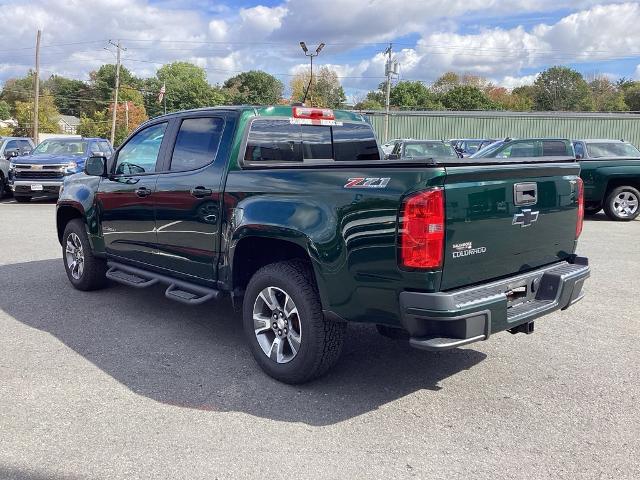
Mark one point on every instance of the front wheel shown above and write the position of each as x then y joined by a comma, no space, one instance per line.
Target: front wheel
85,272
22,199
283,321
623,204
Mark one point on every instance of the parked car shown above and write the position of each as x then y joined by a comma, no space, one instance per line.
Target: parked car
611,175
527,147
388,146
404,149
11,147
467,147
43,171
294,214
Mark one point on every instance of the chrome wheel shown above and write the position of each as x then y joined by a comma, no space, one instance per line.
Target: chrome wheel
74,256
277,325
625,204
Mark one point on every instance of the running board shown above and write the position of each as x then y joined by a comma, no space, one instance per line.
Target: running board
178,290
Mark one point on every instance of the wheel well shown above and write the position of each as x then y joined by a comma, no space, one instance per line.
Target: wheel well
64,216
253,253
622,182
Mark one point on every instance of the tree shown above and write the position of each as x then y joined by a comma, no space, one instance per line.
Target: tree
103,81
413,95
5,111
18,90
99,124
72,97
606,96
467,97
446,82
505,100
631,93
186,87
253,88
48,116
561,88
326,90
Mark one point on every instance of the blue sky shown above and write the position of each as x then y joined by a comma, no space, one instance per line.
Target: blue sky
507,41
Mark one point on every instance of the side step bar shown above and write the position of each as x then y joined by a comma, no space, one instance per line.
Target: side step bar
178,290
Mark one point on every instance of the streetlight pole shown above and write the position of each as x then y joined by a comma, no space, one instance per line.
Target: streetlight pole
310,55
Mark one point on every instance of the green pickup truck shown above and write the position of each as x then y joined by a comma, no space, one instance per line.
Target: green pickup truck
294,213
611,175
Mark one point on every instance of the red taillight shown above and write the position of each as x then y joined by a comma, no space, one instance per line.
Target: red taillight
580,185
313,113
422,230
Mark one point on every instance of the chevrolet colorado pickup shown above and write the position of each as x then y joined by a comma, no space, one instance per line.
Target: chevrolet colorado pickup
610,170
294,213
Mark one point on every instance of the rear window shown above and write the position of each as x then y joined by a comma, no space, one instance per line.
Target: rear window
553,148
278,141
598,150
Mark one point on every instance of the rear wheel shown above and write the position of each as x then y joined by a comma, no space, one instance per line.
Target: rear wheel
84,270
623,204
22,199
283,321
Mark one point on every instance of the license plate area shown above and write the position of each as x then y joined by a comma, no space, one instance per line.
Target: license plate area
36,187
519,293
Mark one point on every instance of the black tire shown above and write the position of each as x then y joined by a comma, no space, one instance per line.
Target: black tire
4,189
611,204
93,275
321,340
590,210
22,199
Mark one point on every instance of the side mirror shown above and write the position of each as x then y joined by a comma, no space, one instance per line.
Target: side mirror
96,166
25,151
12,153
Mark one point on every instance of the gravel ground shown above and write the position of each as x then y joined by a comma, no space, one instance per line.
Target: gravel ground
125,384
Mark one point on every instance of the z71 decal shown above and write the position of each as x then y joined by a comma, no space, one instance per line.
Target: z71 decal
363,182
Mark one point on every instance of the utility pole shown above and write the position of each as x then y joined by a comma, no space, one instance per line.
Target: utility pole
126,115
117,86
36,89
387,97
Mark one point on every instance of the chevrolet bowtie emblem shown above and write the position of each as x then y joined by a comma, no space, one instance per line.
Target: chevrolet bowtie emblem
526,218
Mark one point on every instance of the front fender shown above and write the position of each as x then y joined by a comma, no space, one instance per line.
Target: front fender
78,193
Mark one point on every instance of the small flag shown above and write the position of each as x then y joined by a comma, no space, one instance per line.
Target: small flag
163,89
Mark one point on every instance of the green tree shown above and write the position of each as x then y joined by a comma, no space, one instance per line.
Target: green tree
103,81
326,90
186,87
414,96
467,97
98,125
48,116
446,82
561,88
505,100
632,96
18,90
72,97
606,96
254,87
5,111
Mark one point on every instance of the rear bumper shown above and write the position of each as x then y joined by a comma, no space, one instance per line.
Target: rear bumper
444,320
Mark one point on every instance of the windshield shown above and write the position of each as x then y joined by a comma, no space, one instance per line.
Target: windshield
472,146
488,151
429,149
601,150
61,147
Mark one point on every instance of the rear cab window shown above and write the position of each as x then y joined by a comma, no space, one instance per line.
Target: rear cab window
273,141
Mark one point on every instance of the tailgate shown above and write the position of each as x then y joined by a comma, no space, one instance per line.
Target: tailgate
491,234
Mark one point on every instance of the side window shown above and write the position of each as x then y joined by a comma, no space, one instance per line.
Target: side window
518,150
553,148
104,147
140,153
355,141
316,142
12,144
579,148
197,143
273,141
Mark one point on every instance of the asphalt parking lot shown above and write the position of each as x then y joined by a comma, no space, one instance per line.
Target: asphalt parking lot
125,384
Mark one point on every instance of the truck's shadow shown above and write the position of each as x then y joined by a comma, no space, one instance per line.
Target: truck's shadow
195,357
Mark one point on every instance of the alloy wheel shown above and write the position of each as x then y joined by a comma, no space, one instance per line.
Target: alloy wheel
625,204
276,324
74,256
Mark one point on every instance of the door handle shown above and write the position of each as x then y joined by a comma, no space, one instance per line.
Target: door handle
201,192
143,192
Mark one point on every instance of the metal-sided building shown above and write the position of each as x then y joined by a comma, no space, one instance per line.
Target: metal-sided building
491,124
